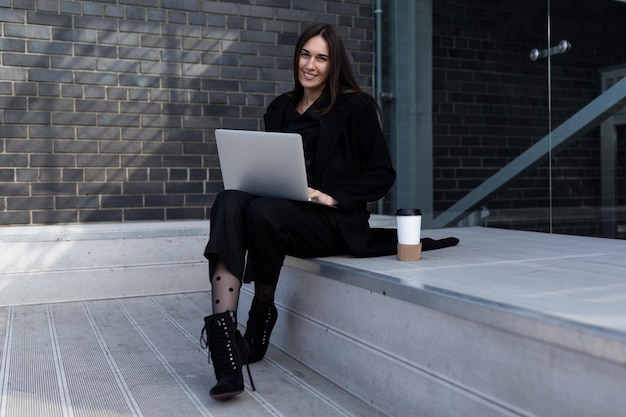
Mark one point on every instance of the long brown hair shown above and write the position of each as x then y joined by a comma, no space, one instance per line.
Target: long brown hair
340,77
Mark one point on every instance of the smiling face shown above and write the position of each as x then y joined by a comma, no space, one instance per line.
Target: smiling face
314,66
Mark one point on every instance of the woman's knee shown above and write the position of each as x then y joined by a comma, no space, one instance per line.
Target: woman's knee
230,201
263,212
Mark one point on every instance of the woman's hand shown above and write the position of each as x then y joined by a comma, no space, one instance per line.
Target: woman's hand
317,195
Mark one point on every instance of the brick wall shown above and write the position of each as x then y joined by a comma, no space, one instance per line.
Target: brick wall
107,108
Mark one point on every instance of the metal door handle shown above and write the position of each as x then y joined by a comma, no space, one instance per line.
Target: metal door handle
561,48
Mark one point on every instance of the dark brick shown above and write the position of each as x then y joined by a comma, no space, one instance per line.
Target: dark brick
106,133
137,175
143,134
75,35
143,81
52,132
164,200
14,217
122,201
184,188
93,9
120,147
8,175
11,16
50,48
96,106
25,89
101,216
95,50
54,216
187,5
49,90
71,7
144,214
8,189
180,109
50,104
157,15
182,161
27,175
143,187
179,82
13,103
162,148
95,92
139,27
107,188
50,174
28,32
170,122
96,78
76,202
141,161
30,203
118,120
73,174
50,76
74,119
95,23
99,161
185,213
203,200
92,174
53,189
117,66
27,117
28,146
12,45
48,19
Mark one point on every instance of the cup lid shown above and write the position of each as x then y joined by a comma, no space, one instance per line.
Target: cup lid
408,212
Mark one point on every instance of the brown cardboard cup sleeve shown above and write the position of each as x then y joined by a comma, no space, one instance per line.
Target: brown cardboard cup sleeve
409,252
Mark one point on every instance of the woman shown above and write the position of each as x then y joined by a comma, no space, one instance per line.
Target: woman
348,165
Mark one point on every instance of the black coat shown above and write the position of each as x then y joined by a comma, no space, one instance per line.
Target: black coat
353,165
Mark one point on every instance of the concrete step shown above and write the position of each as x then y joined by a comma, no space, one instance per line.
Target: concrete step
141,356
105,320
533,327
506,324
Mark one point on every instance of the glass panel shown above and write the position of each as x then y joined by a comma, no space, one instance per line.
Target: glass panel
507,141
585,180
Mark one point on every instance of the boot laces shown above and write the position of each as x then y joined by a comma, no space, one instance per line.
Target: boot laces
223,359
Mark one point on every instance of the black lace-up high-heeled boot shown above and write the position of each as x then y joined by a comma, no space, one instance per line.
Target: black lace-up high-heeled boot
261,321
229,352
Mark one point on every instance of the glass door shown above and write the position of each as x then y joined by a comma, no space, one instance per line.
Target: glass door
585,61
507,114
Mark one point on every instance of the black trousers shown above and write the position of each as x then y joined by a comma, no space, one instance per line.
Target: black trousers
252,235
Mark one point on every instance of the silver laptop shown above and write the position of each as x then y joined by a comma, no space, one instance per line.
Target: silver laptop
266,164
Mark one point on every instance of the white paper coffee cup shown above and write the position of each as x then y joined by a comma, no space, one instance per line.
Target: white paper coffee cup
409,225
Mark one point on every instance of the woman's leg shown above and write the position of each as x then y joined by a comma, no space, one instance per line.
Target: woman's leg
228,240
261,320
225,288
226,251
279,228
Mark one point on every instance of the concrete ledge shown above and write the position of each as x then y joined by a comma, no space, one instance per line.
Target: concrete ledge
507,323
47,264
